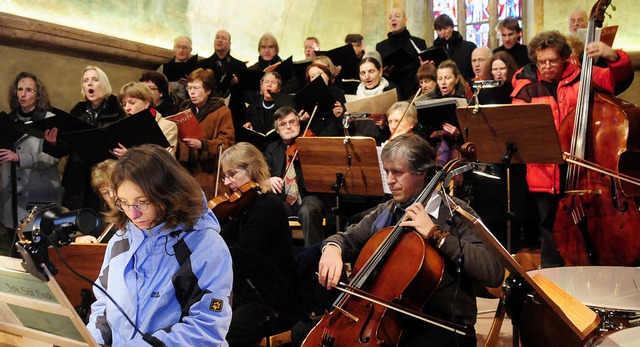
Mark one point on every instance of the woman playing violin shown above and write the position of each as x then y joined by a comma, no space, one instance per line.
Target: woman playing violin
260,244
409,163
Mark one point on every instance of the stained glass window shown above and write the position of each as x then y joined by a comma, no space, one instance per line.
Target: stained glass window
448,7
509,8
478,24
478,34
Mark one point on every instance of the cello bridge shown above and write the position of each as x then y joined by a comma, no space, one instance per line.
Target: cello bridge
584,191
347,314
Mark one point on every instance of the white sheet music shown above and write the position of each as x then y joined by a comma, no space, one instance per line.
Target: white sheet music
383,173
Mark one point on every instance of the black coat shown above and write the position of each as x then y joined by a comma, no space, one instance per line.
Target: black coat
459,51
223,71
77,174
403,76
519,52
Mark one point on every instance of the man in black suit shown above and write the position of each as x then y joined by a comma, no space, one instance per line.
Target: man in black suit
399,38
226,70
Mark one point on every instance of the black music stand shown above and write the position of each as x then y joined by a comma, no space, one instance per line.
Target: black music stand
511,134
340,165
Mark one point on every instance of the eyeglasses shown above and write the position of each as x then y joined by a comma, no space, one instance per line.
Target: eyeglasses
140,206
552,62
28,90
196,88
231,175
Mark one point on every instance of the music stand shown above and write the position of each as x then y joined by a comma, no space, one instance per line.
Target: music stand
581,320
347,165
511,134
33,312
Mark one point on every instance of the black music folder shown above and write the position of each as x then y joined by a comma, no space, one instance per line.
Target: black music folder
300,69
249,79
63,121
285,69
314,93
257,138
435,112
175,71
399,57
345,57
436,54
93,145
10,131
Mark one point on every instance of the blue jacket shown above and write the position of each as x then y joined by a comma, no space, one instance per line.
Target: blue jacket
173,284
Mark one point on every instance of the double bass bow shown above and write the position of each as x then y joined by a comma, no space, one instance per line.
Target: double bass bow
397,270
598,221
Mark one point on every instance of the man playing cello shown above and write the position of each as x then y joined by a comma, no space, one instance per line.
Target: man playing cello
410,164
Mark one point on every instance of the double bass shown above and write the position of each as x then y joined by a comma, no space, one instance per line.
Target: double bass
598,221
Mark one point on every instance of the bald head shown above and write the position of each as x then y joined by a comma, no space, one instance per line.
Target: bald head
397,20
578,19
222,43
480,62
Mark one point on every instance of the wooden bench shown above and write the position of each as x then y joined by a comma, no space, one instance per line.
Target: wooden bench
276,340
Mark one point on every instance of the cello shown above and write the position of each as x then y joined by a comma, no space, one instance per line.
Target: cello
397,270
598,221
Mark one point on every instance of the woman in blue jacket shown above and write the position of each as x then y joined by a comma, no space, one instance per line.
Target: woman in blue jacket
167,266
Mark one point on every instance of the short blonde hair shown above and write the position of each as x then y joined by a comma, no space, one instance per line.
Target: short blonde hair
102,77
101,174
136,90
244,155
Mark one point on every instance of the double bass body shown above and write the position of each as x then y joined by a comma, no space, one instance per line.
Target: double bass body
610,232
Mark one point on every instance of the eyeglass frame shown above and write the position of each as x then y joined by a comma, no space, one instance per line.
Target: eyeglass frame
137,205
232,177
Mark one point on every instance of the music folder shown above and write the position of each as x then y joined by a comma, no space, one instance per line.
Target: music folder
437,54
377,104
399,57
93,145
175,70
345,57
249,79
435,112
285,69
314,93
11,131
300,69
63,121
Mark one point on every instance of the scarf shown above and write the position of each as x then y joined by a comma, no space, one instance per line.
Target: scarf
363,91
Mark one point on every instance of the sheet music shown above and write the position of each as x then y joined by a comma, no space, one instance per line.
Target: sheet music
383,173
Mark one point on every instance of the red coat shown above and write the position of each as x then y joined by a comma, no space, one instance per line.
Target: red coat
528,88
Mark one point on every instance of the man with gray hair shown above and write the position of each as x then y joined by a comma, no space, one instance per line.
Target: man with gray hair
182,47
409,162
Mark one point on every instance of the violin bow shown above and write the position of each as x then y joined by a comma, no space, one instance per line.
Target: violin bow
295,154
413,100
219,166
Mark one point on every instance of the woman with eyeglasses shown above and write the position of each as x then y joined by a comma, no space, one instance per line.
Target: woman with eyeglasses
36,173
166,266
265,298
553,80
200,156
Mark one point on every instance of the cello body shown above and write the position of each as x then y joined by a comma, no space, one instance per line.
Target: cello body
411,273
610,232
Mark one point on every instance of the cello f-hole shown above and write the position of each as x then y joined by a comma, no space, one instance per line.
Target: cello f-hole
615,197
364,338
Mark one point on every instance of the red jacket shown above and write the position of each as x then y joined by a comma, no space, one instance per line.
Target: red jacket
528,88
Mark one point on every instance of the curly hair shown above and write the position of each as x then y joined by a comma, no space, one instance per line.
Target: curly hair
549,39
42,97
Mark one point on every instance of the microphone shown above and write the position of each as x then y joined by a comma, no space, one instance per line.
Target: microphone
484,84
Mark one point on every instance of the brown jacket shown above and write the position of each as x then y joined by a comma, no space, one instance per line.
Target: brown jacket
215,119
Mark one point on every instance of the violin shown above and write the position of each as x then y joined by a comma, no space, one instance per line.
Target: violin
232,206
